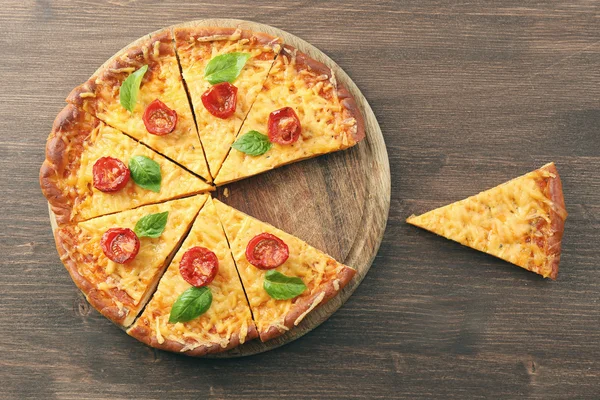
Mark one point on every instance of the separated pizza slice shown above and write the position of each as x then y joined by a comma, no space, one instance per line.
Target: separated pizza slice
92,169
284,277
224,70
301,112
199,306
521,221
139,91
116,260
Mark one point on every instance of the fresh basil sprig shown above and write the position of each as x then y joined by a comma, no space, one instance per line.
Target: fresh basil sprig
281,287
225,68
253,143
130,88
145,172
191,304
151,225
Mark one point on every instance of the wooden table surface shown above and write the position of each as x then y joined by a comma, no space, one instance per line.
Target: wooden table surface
468,95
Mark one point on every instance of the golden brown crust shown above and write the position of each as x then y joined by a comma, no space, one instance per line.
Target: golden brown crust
71,128
221,33
352,111
145,335
111,73
349,104
300,307
558,215
66,243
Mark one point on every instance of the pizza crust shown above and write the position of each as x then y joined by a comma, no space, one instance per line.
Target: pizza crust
326,292
558,215
145,335
64,144
206,34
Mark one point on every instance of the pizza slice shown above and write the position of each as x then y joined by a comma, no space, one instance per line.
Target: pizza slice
92,169
520,221
139,91
301,112
224,70
284,277
116,260
199,306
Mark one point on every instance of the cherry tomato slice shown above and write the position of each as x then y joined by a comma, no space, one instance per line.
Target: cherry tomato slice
159,119
266,251
121,245
110,174
284,126
199,266
220,100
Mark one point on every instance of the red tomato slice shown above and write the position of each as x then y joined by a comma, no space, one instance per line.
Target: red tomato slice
110,174
284,126
266,251
159,119
199,266
220,100
121,245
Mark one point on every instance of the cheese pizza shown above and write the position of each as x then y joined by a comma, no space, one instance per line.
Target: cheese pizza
139,91
203,268
116,260
224,70
87,171
520,221
284,277
301,112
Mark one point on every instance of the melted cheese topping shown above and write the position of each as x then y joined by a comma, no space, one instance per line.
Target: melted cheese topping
138,277
311,265
510,221
162,82
314,99
217,135
89,202
228,314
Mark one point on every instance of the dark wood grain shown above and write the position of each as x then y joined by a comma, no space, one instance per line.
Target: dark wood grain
467,94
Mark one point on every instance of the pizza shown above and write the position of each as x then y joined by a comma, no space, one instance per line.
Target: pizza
116,260
222,102
87,170
130,156
224,321
301,112
140,92
284,277
520,221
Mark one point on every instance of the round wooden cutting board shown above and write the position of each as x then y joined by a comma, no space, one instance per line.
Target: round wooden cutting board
338,202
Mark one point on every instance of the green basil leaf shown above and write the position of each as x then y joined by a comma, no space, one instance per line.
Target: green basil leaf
145,172
281,287
252,143
191,304
225,68
151,225
130,88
